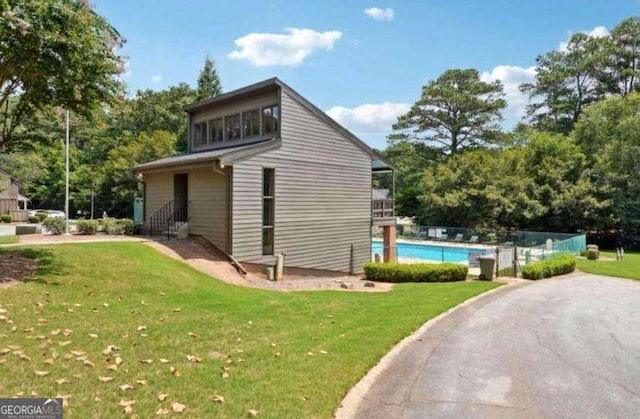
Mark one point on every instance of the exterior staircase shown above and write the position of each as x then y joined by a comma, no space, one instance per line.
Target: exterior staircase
170,221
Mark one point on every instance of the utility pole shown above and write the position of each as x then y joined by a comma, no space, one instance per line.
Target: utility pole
66,191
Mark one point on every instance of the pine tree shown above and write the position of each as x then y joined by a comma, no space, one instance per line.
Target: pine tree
208,81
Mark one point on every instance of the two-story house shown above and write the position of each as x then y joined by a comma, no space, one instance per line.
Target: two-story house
267,173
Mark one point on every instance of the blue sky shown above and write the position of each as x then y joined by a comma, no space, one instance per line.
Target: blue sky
363,62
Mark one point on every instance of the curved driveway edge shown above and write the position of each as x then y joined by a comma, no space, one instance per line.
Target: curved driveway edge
562,347
355,397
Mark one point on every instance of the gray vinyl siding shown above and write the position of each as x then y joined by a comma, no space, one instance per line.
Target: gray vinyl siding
322,197
208,203
158,191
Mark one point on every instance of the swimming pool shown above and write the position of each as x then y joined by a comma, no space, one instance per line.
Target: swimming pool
430,252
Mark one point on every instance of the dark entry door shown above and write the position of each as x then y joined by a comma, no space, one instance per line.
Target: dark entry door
181,196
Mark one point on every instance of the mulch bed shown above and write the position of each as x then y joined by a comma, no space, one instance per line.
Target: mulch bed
14,267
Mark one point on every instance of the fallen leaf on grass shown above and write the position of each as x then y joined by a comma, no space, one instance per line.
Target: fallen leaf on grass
126,387
105,304
193,335
323,352
142,382
67,332
163,361
48,361
13,347
176,310
125,403
225,375
178,407
61,381
65,343
146,361
218,398
93,335
162,411
4,351
2,361
88,363
112,367
194,359
105,379
162,396
109,349
141,328
78,353
174,371
118,360
253,412
41,373
25,357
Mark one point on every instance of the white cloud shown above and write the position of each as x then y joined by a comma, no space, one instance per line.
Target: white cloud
369,118
269,49
597,32
376,13
157,78
512,77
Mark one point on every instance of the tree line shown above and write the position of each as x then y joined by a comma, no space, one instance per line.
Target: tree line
60,55
570,165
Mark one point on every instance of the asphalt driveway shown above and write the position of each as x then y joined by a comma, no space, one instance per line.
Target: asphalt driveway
565,347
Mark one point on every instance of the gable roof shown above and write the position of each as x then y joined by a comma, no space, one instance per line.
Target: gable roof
378,161
10,176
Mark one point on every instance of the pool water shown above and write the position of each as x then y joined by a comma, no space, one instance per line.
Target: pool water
430,252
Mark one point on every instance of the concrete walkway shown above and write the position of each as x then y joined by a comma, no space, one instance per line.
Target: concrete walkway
563,347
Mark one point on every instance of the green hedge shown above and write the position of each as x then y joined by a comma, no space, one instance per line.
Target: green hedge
54,225
5,218
419,272
558,265
87,227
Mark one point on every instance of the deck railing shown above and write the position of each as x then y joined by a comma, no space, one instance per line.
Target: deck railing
382,208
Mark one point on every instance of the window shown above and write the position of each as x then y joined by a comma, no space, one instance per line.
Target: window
251,123
215,131
232,126
270,120
268,210
200,134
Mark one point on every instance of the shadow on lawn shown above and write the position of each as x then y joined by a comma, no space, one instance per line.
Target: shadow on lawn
47,264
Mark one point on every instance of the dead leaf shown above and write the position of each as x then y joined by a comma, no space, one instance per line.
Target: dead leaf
310,353
141,328
69,310
88,363
225,375
13,347
28,329
218,398
41,373
126,387
253,412
25,357
239,351
162,411
174,371
61,381
163,361
55,332
65,343
112,367
4,351
105,304
162,396
67,332
162,293
105,379
193,335
277,354
273,345
93,335
142,382
125,403
127,410
2,361
194,359
78,353
323,352
176,310
48,361
146,361
118,360
143,303
178,407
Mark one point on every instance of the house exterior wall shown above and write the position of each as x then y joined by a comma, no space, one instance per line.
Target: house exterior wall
8,195
208,197
208,206
322,197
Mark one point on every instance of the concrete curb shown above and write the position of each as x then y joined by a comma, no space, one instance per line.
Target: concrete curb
349,405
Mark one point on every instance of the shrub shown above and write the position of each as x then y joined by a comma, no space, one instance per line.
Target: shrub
558,265
583,253
111,226
5,218
419,272
87,227
592,254
33,219
127,226
42,216
54,225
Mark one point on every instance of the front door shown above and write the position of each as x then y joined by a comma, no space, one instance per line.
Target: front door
181,196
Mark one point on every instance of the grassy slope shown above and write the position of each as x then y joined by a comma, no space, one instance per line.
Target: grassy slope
267,335
629,267
9,239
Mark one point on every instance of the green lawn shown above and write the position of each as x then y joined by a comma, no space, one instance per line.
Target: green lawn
9,239
283,354
629,267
